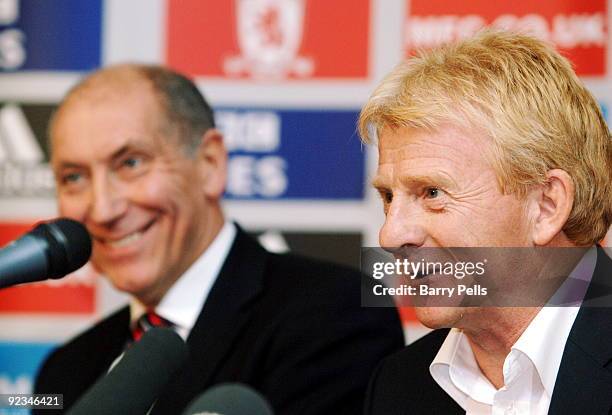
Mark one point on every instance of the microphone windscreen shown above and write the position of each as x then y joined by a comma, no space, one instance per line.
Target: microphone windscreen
69,245
136,381
230,399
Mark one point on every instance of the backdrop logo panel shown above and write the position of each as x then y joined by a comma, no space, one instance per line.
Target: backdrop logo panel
285,154
269,39
50,35
577,28
74,294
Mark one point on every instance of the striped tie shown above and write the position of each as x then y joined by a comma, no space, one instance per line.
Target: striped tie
148,321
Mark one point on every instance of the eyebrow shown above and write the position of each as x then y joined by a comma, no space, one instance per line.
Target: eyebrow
379,183
443,180
126,148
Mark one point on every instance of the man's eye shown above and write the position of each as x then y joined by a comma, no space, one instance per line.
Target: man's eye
132,162
71,178
432,192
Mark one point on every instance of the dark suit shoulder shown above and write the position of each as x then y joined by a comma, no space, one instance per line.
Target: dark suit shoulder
320,331
316,269
314,291
71,368
402,366
402,383
91,339
320,288
98,331
312,280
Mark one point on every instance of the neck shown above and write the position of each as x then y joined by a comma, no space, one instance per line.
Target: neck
492,339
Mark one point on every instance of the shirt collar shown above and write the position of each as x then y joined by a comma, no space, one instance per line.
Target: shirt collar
183,302
455,369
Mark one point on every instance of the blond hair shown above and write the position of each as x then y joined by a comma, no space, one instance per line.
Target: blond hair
523,95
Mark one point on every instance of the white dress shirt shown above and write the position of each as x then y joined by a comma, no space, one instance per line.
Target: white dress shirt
184,300
530,369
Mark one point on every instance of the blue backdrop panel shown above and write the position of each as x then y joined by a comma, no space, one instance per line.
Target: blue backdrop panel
293,154
53,35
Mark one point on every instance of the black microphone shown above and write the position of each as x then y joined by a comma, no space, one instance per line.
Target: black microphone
133,385
51,250
230,399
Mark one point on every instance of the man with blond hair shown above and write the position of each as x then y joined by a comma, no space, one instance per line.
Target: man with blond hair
494,142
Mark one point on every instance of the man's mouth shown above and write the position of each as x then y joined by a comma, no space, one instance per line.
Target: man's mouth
133,237
127,239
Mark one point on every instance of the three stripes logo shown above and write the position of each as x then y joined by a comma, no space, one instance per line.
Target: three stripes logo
24,170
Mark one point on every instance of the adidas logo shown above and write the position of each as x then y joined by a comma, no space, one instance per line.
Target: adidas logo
23,169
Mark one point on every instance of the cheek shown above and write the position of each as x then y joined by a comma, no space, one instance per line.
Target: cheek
509,225
178,202
513,215
154,192
173,201
164,188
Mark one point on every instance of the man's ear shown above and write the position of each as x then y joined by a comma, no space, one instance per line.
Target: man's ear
212,158
554,200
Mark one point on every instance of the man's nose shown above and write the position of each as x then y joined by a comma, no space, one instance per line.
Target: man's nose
107,201
404,226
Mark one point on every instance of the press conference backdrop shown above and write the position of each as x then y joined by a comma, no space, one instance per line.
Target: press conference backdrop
286,78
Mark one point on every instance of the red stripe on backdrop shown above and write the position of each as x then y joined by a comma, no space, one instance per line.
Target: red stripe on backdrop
578,28
39,298
9,231
310,39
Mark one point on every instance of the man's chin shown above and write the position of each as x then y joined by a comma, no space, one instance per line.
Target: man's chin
439,317
133,282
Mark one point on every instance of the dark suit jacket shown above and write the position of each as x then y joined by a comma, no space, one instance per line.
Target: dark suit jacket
402,385
290,327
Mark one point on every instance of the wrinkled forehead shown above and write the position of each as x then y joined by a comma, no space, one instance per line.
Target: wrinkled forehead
400,143
448,156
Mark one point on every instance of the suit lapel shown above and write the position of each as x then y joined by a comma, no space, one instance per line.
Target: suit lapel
225,313
108,343
584,381
92,356
226,309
